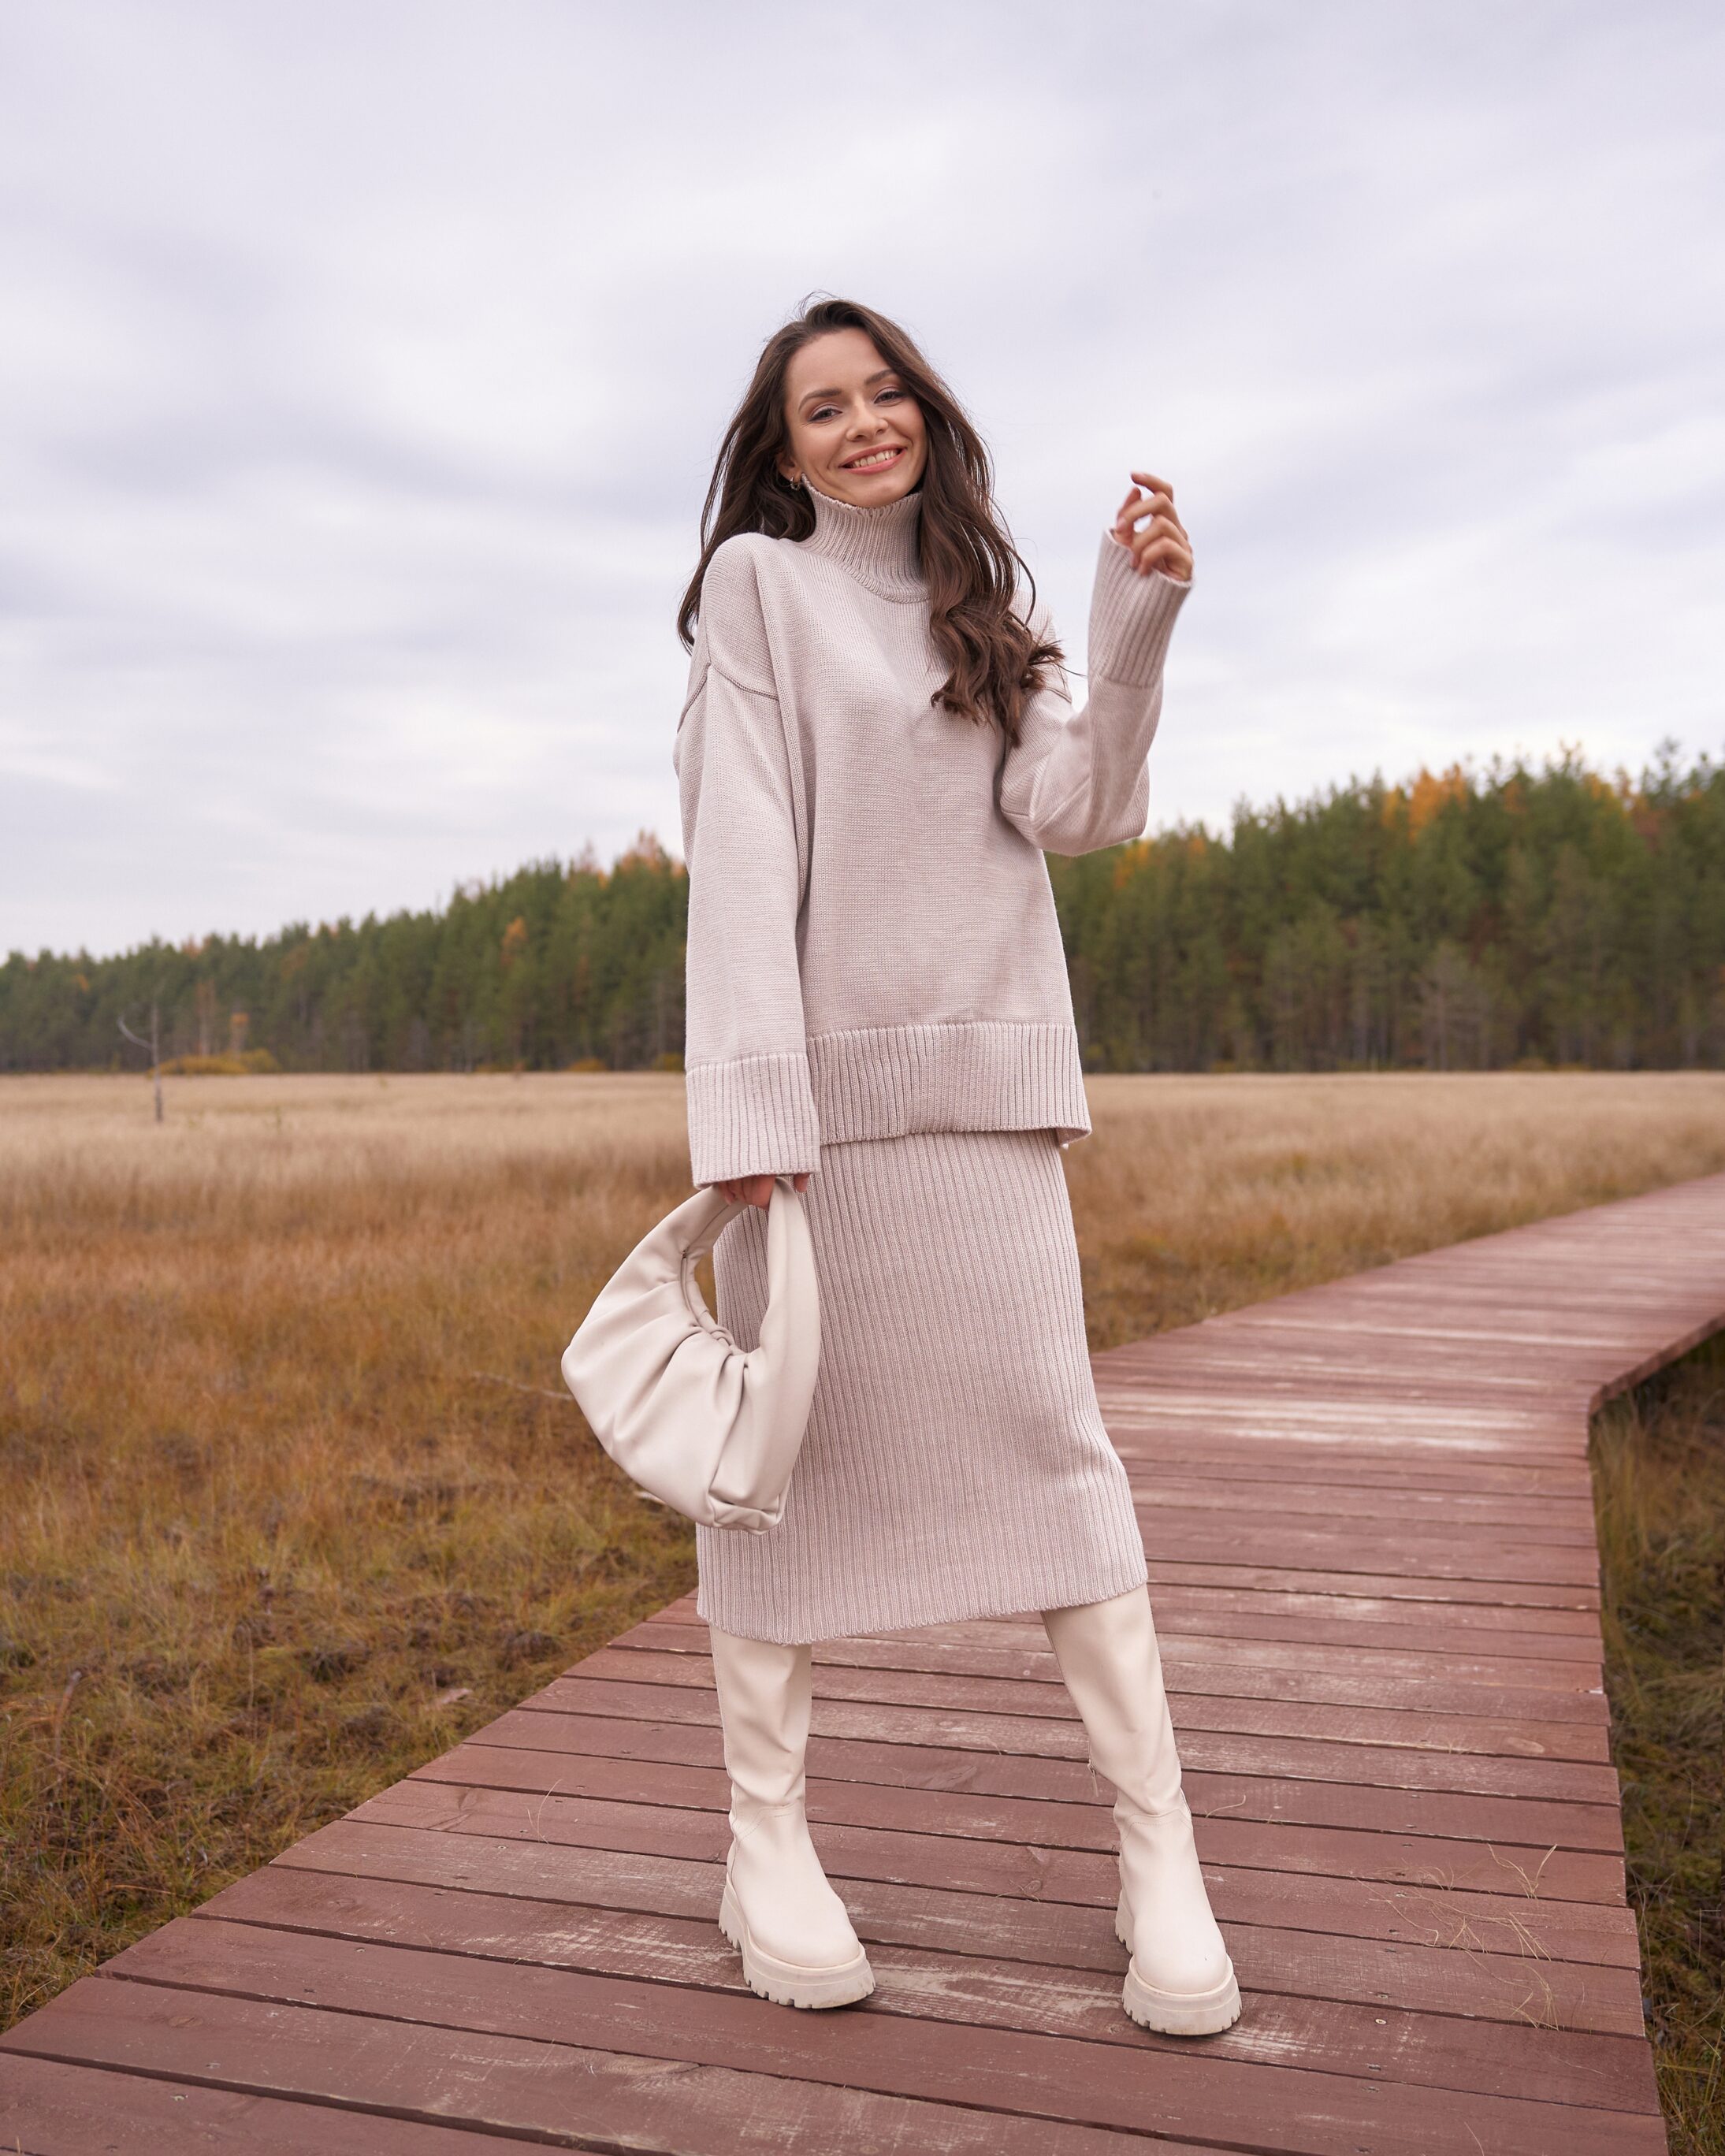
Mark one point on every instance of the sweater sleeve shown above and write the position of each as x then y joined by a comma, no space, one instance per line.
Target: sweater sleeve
751,1104
1075,781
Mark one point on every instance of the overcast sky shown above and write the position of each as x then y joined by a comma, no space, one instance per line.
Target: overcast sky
362,362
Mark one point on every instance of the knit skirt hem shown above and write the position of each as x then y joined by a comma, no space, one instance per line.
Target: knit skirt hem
956,1465
898,1612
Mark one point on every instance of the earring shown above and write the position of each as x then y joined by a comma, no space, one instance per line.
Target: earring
796,481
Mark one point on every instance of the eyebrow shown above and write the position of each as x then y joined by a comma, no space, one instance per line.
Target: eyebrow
811,396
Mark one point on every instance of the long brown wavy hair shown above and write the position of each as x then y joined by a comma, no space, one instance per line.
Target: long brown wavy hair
969,562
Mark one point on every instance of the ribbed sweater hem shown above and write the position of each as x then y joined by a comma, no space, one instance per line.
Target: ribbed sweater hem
885,1081
770,1115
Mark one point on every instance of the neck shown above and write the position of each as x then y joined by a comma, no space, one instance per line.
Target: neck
878,544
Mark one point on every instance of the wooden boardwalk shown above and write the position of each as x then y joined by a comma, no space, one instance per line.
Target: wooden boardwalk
1371,1551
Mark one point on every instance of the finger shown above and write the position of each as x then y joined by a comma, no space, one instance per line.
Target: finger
1151,505
801,1182
1156,485
1169,557
1129,526
1156,533
1160,527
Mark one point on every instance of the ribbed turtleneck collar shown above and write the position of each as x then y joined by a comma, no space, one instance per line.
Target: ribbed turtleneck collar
878,546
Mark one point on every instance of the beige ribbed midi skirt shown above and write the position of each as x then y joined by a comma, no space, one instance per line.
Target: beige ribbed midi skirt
956,1465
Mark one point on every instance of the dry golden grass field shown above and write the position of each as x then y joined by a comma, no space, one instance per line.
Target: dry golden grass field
290,1498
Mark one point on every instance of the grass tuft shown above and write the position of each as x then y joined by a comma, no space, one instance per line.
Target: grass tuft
1659,1496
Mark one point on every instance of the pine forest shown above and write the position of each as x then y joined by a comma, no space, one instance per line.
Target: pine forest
1517,917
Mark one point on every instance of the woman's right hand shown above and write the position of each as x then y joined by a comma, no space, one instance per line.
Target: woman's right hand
758,1189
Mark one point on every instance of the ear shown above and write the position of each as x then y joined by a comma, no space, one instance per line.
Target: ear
788,470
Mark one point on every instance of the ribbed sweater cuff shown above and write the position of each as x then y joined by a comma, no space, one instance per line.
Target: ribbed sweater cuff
1132,618
752,1116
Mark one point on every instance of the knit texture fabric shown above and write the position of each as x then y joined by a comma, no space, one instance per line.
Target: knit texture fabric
872,944
955,1463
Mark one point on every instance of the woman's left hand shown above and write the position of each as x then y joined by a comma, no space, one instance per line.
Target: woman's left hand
758,1189
1146,525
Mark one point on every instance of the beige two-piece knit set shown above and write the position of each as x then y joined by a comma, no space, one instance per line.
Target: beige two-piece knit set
877,991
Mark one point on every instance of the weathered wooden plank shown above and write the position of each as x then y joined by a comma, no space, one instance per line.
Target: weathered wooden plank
1239,1435
57,2109
1386,1431
1477,1559
1157,1437
1565,1519
1293,1367
1431,1590
1298,1618
51,2107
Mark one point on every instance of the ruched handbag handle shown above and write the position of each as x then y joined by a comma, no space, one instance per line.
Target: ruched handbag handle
699,1241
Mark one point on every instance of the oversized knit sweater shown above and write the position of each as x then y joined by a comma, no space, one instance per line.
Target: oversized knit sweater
873,944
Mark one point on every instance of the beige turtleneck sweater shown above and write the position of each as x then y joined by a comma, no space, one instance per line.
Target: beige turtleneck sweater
873,945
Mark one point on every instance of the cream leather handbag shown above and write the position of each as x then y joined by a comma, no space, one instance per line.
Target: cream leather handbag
711,1430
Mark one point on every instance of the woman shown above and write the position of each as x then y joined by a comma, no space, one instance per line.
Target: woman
877,746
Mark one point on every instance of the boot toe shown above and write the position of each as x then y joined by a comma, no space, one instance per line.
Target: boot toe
1180,1974
797,1944
796,1980
1184,1971
1181,2013
816,1940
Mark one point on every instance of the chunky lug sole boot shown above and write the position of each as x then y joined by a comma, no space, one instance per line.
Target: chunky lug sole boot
777,1908
1181,1982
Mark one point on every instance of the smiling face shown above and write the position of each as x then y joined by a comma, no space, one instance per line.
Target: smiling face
855,430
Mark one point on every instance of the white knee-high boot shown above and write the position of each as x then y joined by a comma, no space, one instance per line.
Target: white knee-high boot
1181,1981
796,1940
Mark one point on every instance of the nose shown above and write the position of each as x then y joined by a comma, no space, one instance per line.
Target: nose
864,419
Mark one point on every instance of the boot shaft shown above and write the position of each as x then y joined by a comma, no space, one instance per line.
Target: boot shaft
765,1694
1111,1664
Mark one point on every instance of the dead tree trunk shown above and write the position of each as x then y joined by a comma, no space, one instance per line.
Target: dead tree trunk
152,1049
